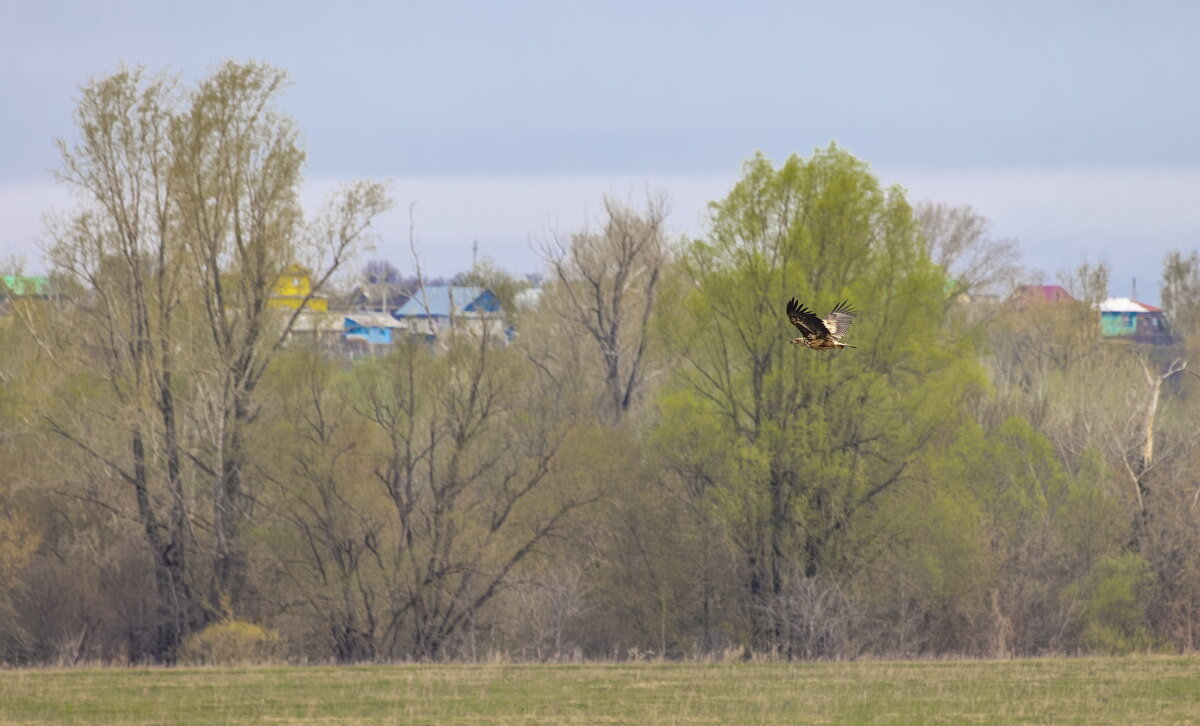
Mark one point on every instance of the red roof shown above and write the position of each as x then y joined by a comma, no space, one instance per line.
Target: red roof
1047,293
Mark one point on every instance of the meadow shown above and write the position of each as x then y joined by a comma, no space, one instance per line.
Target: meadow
1130,690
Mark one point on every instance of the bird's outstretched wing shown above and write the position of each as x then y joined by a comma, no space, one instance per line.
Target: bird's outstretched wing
838,321
805,320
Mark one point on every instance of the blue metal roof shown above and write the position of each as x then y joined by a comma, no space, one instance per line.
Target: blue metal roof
439,301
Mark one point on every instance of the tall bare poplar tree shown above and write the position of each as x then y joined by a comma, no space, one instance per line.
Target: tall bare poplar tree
237,172
122,254
187,215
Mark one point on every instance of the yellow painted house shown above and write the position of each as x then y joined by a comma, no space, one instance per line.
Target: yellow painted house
293,285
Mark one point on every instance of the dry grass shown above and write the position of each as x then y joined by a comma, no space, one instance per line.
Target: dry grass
1128,691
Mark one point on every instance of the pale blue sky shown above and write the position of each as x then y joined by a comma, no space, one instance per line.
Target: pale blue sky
1075,126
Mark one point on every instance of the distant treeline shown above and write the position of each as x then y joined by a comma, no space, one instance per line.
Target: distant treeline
647,468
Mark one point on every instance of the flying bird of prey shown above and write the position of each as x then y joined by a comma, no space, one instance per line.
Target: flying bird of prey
821,334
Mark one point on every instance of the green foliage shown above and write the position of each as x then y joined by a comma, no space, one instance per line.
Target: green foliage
794,446
1114,619
230,642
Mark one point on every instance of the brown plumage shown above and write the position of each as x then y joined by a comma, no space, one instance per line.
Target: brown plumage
821,334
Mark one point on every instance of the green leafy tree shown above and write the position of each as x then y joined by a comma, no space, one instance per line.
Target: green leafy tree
984,555
793,447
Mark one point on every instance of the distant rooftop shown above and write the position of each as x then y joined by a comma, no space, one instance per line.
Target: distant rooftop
1049,293
373,320
22,286
441,301
1126,305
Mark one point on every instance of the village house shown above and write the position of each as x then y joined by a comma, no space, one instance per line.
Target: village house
1124,318
22,287
371,328
293,291
320,327
376,296
292,288
1028,295
364,328
1121,318
435,309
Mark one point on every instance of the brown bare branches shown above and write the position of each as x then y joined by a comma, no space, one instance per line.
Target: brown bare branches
605,286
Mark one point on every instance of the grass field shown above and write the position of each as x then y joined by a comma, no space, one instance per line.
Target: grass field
1143,690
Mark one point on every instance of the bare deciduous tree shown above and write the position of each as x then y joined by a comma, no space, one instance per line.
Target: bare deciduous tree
605,282
957,240
467,465
1181,294
323,495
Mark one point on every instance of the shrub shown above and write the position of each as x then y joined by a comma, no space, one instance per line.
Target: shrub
230,642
